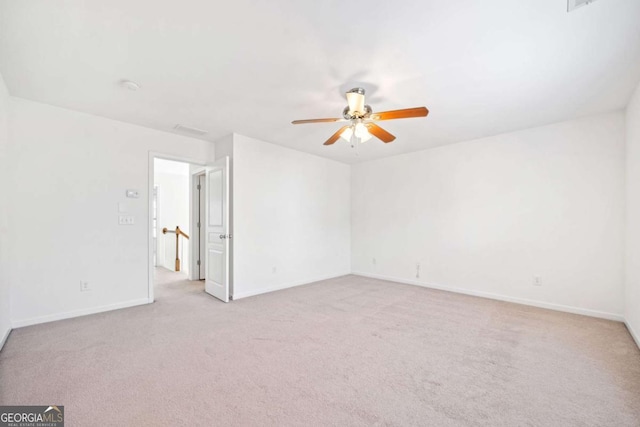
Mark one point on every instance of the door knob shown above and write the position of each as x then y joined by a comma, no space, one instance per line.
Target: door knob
222,236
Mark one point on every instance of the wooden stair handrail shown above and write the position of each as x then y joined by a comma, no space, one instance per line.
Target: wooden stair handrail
178,233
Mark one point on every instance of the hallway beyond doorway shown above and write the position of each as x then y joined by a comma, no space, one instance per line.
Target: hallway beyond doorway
171,285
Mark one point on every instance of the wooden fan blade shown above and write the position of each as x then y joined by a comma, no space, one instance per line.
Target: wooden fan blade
380,133
400,114
299,122
335,136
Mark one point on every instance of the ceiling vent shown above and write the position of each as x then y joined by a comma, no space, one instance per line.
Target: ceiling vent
574,4
187,130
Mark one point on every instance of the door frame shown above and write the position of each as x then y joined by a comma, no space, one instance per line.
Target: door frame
195,233
150,184
156,195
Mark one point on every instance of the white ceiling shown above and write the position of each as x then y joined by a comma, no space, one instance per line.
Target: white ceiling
481,67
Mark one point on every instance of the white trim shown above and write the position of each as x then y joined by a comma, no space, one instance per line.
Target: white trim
151,178
194,243
5,338
499,297
156,194
80,312
285,286
633,333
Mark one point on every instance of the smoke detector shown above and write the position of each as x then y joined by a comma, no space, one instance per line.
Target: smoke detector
574,4
188,130
129,84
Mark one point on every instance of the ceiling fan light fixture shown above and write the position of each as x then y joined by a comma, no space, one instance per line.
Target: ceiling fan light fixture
357,131
347,134
362,133
361,118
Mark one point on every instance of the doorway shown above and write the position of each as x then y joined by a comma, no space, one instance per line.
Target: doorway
189,219
171,227
172,222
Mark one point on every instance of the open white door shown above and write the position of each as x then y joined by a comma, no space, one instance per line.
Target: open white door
217,230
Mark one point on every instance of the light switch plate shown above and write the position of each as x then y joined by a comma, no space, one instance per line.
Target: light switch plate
126,220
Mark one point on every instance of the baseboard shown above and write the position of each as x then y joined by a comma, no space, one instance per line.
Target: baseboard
78,313
633,333
499,297
4,338
237,296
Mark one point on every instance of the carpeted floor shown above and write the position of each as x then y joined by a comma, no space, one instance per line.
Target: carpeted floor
347,351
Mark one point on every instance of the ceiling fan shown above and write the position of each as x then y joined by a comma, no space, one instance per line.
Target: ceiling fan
361,120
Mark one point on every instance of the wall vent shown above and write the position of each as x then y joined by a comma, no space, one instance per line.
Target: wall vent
574,4
189,130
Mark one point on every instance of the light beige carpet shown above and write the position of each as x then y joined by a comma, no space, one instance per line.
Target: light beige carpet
347,351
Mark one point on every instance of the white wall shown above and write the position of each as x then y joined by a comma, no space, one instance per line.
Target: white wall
173,181
481,217
485,216
73,170
291,217
5,319
632,294
224,147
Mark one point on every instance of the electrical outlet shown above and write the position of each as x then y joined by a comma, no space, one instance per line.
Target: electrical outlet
274,270
84,286
373,261
417,270
537,281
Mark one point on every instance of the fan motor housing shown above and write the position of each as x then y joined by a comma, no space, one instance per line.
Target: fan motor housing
346,113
